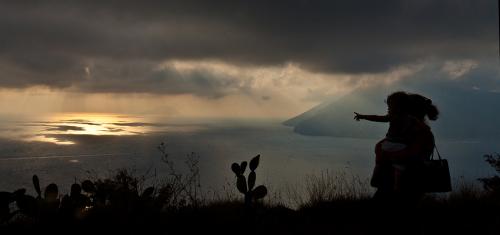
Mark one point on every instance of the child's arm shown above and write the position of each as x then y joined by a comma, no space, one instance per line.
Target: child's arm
373,118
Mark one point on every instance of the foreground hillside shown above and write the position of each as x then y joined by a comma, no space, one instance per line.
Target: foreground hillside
468,210
332,204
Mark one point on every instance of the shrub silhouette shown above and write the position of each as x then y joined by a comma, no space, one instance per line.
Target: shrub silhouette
121,201
492,184
180,189
247,187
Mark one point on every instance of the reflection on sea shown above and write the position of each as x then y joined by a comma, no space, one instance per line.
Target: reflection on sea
55,127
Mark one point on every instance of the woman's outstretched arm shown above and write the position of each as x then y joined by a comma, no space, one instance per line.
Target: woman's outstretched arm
373,118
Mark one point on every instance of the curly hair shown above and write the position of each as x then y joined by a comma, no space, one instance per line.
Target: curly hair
422,106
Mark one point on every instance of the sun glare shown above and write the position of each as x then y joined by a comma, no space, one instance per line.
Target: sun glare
56,127
68,128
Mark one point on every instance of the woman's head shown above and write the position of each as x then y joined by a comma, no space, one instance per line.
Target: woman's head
422,106
398,103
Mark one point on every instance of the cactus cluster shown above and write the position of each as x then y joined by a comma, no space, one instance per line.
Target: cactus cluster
247,187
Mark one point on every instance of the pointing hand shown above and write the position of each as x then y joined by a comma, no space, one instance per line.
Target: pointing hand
357,116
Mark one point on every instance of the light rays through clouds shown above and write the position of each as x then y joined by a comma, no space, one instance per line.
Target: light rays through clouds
204,89
229,58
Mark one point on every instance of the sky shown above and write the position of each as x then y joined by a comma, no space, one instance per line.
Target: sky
236,59
103,78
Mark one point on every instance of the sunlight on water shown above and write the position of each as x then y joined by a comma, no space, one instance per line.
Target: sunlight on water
62,128
97,124
87,124
43,138
56,127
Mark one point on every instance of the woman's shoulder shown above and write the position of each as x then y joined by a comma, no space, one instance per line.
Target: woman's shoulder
415,121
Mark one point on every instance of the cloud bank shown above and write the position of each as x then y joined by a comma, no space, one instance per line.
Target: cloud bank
122,46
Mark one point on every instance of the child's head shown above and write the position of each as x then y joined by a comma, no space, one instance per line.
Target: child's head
422,106
398,103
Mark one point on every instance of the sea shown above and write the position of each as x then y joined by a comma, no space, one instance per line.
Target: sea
67,148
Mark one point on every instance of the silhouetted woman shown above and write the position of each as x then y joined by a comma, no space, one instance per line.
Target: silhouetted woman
399,156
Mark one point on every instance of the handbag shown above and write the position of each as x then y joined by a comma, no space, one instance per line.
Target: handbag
436,174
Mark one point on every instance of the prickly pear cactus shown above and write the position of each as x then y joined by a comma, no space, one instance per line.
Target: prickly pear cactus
36,184
246,187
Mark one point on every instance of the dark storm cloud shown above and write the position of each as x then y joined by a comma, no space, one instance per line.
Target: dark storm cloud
112,130
81,121
65,128
121,42
146,77
135,124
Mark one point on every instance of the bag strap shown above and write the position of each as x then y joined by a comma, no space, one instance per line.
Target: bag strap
435,147
433,141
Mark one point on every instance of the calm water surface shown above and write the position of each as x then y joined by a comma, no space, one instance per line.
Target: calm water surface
67,148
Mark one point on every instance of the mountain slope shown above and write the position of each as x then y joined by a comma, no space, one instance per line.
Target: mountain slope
465,113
